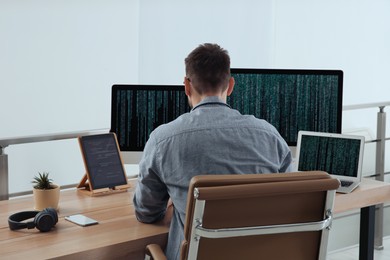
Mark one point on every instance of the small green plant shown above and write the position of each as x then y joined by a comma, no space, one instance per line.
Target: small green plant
42,182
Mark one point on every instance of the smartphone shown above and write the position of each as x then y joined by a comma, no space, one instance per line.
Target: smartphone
81,220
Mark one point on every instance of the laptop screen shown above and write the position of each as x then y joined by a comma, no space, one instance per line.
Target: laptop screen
336,154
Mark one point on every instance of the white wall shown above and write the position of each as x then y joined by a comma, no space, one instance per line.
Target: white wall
352,35
58,60
169,30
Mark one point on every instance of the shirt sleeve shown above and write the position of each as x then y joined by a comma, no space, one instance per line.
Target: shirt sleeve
150,195
287,165
286,161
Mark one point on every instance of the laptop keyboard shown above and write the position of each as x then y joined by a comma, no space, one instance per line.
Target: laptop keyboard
346,183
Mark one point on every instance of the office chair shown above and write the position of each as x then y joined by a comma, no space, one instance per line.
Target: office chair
257,216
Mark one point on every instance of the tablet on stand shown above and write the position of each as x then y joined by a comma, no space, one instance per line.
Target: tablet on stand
105,172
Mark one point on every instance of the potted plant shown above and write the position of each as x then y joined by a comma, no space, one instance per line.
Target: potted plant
46,193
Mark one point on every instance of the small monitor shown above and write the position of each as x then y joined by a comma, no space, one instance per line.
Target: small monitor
290,100
136,110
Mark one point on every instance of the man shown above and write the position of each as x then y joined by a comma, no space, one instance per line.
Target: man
211,139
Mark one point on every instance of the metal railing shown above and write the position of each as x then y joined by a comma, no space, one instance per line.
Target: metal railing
379,160
379,164
4,190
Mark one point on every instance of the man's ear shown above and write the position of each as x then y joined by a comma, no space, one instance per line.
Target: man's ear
187,87
231,86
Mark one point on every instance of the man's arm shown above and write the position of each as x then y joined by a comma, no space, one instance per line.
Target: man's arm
287,162
150,201
150,195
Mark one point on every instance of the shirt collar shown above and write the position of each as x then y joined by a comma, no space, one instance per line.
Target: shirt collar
210,100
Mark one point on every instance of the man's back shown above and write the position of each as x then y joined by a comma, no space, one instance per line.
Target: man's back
211,139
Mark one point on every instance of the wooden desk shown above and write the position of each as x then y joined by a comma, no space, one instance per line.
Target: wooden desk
119,235
365,197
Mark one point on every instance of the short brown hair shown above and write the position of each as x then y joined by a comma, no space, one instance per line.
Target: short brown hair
208,68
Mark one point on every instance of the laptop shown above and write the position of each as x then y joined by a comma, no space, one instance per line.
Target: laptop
339,155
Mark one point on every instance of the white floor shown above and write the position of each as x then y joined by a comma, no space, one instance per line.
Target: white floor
352,253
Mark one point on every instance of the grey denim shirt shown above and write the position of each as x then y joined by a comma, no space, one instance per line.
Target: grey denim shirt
211,139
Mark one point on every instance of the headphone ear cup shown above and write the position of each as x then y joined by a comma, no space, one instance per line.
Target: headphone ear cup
53,213
46,220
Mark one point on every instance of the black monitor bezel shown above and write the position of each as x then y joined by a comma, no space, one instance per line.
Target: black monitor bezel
338,73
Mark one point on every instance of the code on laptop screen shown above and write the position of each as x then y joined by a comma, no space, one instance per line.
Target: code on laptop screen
339,156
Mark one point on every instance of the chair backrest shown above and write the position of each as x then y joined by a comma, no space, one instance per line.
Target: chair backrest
259,216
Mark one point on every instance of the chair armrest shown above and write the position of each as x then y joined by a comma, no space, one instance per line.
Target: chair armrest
155,252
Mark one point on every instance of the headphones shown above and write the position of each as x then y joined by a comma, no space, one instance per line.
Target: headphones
44,220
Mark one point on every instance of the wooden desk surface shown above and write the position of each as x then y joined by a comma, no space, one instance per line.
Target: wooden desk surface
118,234
368,193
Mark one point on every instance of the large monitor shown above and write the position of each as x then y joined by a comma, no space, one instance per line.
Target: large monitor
136,110
291,100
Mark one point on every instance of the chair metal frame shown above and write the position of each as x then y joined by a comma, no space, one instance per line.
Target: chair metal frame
198,231
207,192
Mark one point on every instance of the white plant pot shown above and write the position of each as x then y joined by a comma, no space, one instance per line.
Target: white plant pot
46,198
